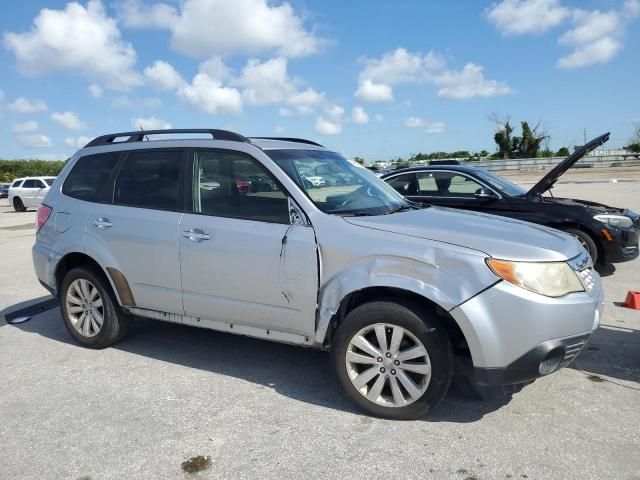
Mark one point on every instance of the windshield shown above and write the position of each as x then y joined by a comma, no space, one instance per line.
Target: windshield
336,185
502,184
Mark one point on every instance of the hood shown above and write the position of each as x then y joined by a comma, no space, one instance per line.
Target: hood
498,237
556,172
593,207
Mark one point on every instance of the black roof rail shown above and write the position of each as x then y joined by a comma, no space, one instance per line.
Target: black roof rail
139,136
289,139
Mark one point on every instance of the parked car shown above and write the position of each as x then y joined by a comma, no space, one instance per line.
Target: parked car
4,190
399,295
609,234
29,192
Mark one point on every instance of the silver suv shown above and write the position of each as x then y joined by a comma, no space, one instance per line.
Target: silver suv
224,233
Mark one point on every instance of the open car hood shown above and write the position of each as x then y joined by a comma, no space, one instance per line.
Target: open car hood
552,177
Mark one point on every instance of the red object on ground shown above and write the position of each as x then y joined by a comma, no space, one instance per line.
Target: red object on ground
633,300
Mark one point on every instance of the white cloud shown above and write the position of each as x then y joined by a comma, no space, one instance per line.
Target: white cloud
369,91
269,83
77,142
595,38
266,83
591,26
326,127
34,140
632,8
279,129
201,28
150,123
136,14
600,51
208,95
78,38
24,105
68,120
136,103
95,90
216,69
358,115
435,127
334,111
469,83
400,66
429,127
518,17
26,127
414,122
164,77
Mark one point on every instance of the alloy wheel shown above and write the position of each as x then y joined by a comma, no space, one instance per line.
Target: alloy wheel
388,365
84,307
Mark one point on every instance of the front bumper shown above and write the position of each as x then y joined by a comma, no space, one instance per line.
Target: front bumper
510,331
527,367
623,245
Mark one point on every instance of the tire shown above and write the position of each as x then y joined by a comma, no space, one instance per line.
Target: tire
586,240
18,206
83,328
418,327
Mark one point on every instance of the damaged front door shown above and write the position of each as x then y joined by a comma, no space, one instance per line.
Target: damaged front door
242,259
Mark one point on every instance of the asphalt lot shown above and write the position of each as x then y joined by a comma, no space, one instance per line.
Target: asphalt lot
257,409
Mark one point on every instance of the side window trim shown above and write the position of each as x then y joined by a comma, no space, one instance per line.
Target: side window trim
191,186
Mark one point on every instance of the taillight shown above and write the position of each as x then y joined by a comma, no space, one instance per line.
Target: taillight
43,215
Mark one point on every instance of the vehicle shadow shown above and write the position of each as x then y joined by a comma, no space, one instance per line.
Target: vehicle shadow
612,352
296,372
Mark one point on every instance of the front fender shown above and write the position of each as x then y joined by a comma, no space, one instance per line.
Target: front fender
447,282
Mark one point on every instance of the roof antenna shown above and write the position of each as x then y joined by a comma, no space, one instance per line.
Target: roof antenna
142,130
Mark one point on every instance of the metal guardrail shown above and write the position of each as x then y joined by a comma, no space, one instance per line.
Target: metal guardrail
590,161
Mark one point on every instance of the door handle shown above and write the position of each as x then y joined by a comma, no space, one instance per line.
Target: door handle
103,223
196,235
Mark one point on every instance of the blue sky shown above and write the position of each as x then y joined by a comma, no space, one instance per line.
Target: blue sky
377,79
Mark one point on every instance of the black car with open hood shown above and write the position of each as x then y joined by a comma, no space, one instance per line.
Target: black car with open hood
610,234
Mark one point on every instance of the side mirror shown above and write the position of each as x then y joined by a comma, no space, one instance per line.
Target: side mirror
486,194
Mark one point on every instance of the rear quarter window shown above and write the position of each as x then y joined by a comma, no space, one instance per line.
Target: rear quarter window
89,176
16,184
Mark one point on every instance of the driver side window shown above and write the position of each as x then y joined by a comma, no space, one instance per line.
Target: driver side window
230,184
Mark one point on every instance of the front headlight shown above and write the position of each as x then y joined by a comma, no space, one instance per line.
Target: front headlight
552,279
619,221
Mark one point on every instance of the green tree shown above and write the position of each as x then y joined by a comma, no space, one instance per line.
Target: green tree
634,145
504,141
360,160
563,152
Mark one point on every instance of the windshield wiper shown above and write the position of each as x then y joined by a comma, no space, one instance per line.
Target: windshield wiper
410,206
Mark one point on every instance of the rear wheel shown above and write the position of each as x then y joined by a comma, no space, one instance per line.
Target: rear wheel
89,309
586,241
18,206
392,359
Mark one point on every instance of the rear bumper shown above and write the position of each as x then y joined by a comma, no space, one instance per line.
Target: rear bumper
44,262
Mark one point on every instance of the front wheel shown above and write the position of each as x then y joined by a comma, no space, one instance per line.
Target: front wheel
392,359
586,241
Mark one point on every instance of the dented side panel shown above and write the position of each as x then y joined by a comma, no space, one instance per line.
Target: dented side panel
354,258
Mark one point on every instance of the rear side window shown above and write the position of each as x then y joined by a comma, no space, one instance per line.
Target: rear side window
405,184
150,179
87,179
30,184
